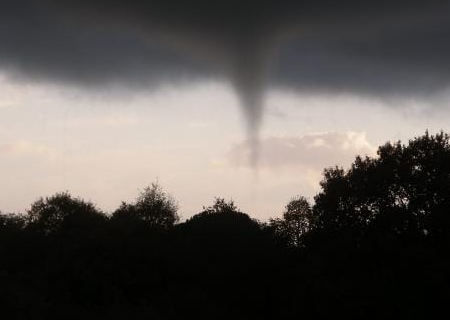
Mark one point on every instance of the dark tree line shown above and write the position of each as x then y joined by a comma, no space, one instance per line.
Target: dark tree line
375,244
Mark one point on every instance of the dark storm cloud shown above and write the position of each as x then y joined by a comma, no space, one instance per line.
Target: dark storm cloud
39,40
372,47
399,61
376,46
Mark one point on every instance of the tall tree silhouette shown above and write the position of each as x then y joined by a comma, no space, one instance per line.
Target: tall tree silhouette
404,191
296,222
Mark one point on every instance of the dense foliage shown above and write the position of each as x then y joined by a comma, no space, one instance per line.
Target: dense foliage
375,243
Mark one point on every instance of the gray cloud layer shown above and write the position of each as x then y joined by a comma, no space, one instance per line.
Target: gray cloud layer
372,47
382,45
314,151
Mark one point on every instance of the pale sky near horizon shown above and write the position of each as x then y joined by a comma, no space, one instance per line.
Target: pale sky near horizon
104,145
102,98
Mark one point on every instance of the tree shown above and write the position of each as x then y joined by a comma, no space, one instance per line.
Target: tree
296,222
11,222
223,225
63,211
221,206
404,191
152,206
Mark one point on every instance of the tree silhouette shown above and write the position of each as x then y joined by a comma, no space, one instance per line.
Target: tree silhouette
63,211
296,222
221,206
403,192
224,254
11,222
223,224
152,206
221,230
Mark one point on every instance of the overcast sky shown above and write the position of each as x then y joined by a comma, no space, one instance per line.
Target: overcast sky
229,99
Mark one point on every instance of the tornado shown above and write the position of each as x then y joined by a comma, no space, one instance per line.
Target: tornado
381,48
